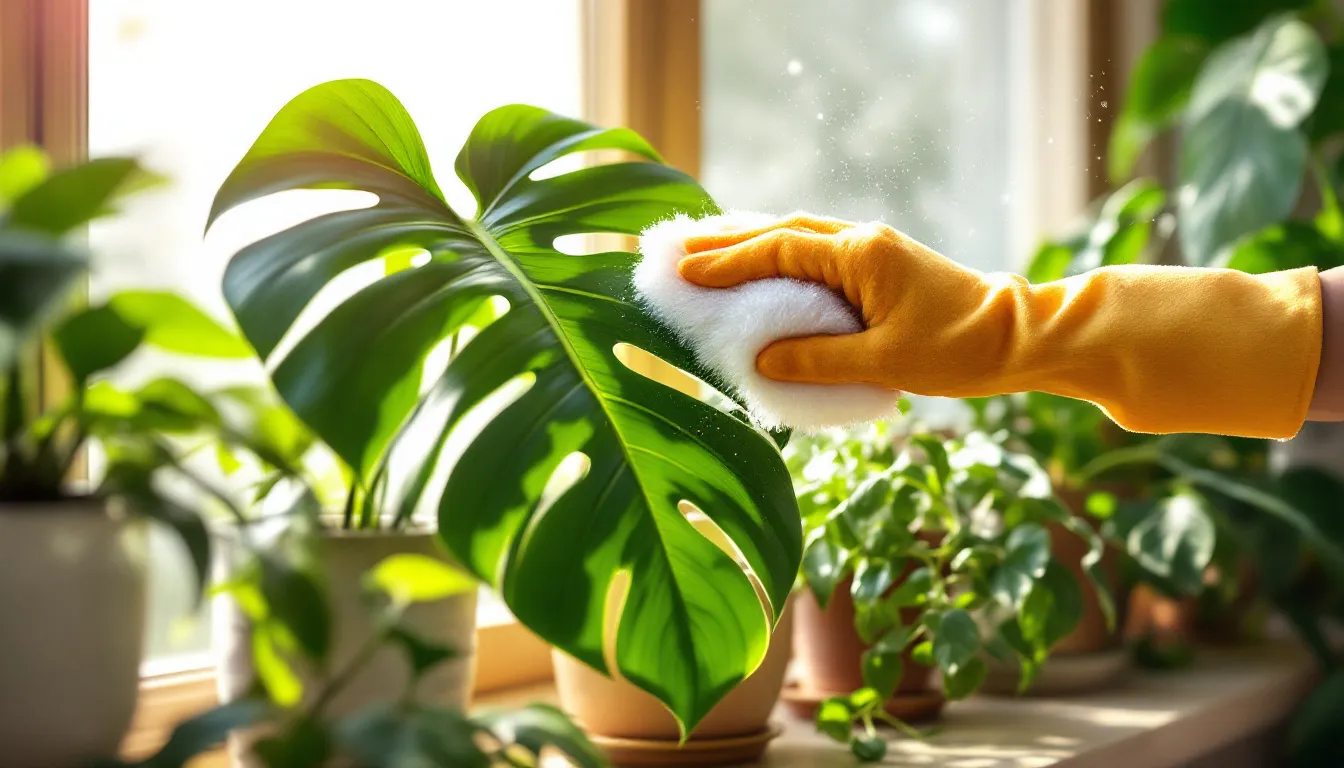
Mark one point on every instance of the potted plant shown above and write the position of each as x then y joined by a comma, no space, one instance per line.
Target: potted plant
924,554
292,585
632,728
563,466
74,593
402,729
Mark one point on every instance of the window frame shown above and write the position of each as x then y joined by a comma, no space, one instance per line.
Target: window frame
641,69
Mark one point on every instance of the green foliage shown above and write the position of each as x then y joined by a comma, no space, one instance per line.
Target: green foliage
1118,233
942,540
138,430
1159,89
1245,112
356,379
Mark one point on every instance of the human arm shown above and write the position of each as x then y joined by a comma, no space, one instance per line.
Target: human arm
1161,349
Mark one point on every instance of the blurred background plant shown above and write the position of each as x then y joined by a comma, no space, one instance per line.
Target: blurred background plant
1252,92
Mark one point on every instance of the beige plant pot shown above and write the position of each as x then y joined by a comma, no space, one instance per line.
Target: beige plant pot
614,708
345,557
72,603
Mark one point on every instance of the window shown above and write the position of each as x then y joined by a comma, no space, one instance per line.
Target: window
233,65
908,113
872,110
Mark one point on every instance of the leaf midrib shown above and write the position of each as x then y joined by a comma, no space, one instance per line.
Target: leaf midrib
487,239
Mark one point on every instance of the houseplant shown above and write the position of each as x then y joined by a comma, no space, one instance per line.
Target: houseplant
312,543
400,730
74,557
935,551
1252,85
359,380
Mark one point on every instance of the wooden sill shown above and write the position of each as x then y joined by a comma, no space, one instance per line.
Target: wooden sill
1223,711
508,655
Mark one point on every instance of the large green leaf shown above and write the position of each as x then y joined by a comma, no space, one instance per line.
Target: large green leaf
1217,20
692,625
1159,89
1242,153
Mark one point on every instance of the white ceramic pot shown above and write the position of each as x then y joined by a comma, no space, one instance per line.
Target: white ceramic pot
72,618
345,557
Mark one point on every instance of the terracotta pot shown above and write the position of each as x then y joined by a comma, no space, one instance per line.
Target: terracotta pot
345,556
73,602
829,651
611,707
1091,635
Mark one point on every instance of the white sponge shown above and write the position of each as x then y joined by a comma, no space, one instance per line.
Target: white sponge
729,327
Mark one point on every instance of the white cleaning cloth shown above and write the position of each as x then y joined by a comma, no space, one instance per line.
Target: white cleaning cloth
728,328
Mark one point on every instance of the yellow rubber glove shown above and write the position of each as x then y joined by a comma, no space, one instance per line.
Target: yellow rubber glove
1160,349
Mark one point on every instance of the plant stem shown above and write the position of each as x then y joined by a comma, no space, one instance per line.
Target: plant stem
204,485
899,724
1147,453
366,651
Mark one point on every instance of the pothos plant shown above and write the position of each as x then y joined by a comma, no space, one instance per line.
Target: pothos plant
946,549
692,625
386,734
139,429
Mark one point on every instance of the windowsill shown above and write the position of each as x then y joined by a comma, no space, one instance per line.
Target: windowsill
1223,710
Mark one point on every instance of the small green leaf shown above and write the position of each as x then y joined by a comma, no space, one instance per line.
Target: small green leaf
423,654
411,578
868,749
35,274
169,405
863,700
21,169
74,196
936,455
538,726
269,643
1101,505
835,719
965,679
1028,552
174,324
1288,245
1063,609
823,568
913,590
295,600
94,340
882,665
1176,541
956,640
871,580
922,654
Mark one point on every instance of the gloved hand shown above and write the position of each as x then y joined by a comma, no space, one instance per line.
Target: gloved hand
1160,349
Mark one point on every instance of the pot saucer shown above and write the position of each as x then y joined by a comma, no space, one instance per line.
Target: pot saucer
729,750
908,707
1063,674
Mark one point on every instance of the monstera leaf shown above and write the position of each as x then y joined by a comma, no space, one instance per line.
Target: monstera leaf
692,625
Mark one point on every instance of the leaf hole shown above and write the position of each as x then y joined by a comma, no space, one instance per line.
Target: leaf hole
438,358
419,438
567,474
576,160
589,243
705,526
617,591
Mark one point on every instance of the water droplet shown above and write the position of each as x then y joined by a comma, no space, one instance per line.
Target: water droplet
821,116
795,67
1104,105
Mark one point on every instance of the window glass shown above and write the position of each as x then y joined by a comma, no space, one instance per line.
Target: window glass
901,112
